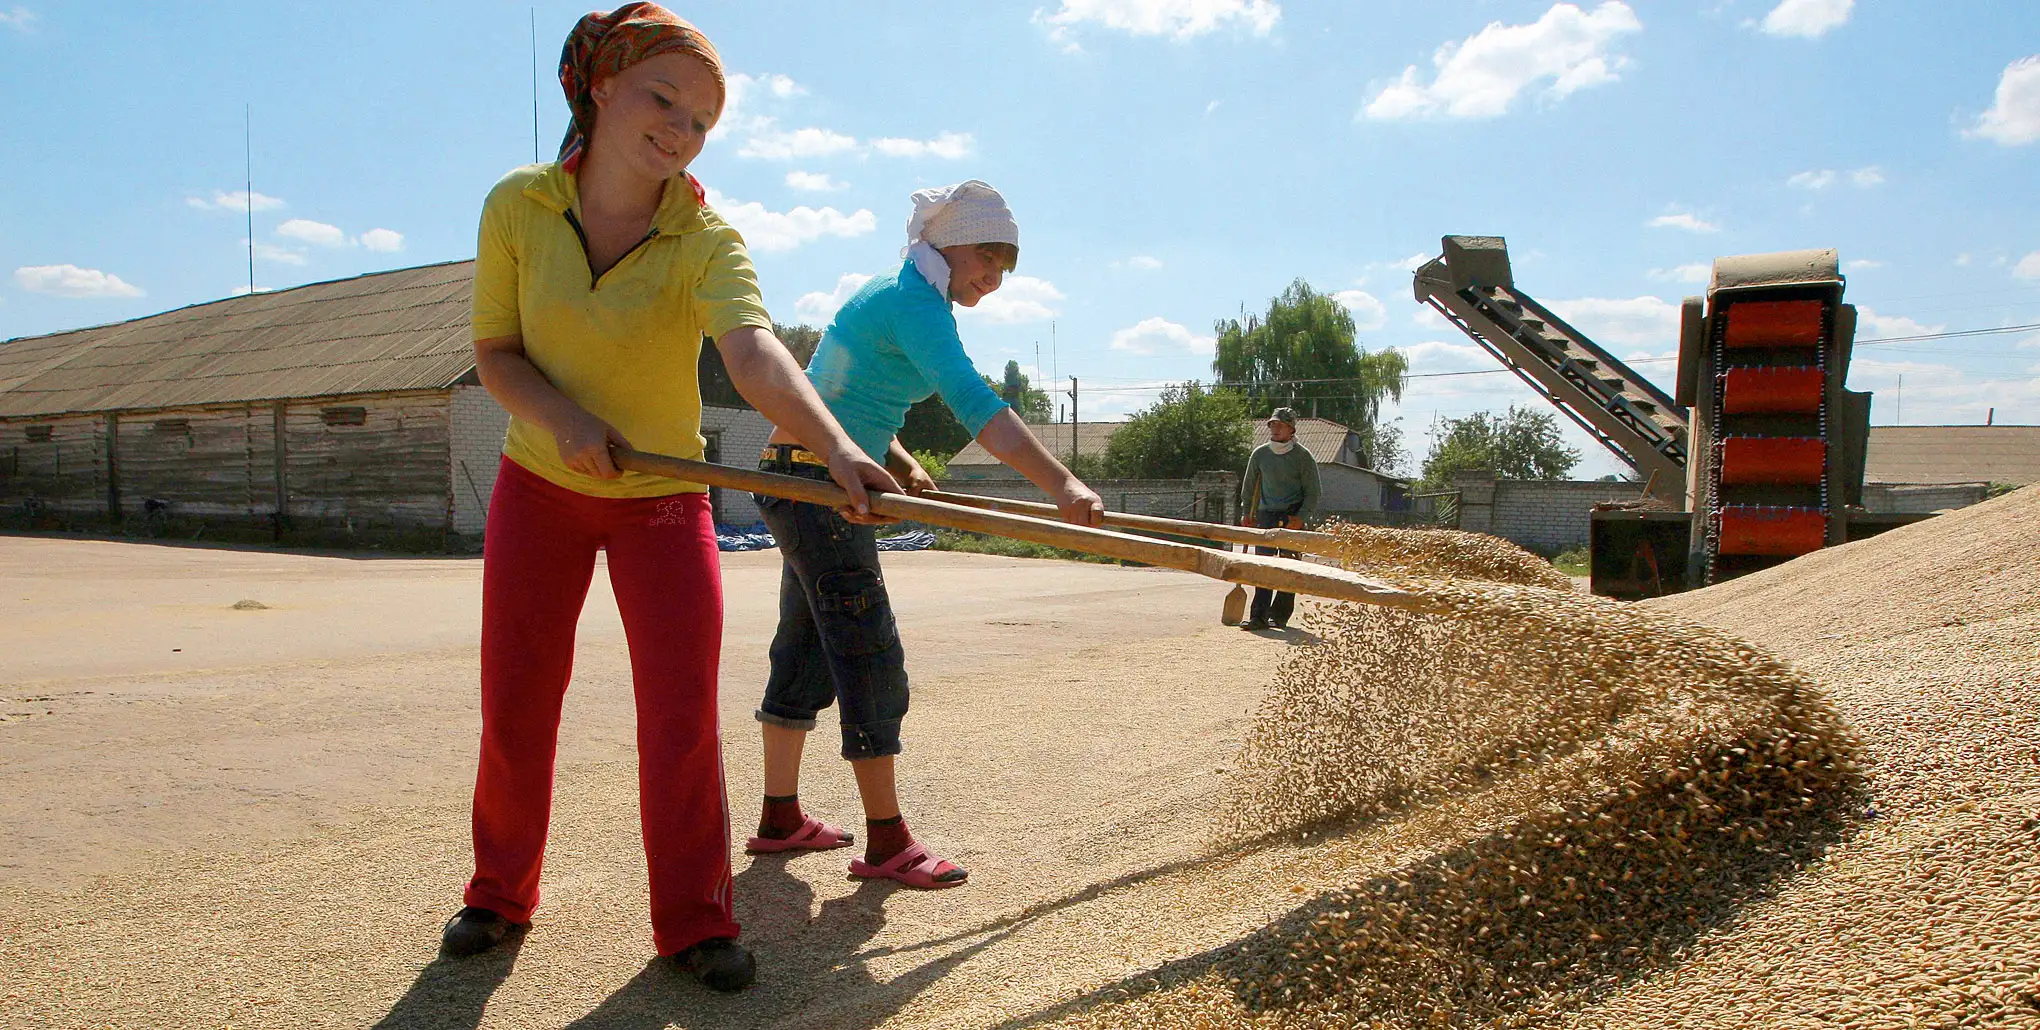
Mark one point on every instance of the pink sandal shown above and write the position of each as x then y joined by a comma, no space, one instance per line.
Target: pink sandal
813,835
914,867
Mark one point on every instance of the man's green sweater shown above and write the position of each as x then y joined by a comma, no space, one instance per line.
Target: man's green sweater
1275,482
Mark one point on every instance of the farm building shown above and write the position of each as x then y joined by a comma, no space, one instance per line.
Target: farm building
336,410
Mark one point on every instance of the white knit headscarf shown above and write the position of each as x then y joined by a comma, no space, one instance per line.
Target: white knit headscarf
953,216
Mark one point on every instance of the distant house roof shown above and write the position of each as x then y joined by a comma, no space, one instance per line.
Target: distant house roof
1327,441
401,330
1953,454
1091,439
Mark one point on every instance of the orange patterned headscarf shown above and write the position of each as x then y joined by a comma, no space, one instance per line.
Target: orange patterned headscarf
602,45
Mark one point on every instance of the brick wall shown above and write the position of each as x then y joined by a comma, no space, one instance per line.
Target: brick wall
476,447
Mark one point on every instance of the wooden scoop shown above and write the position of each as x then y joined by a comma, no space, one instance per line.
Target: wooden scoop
1253,570
1302,540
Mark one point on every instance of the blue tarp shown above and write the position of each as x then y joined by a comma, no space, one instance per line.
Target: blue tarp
755,537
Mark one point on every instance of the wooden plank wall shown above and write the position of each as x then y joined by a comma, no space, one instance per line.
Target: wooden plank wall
64,474
391,471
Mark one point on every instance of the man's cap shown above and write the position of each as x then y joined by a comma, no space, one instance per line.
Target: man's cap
1286,416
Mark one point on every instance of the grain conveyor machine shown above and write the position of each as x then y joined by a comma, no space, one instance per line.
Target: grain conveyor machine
1756,458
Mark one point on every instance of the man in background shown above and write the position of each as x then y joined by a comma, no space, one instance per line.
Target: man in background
1280,489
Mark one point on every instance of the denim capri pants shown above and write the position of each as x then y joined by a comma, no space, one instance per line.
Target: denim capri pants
837,640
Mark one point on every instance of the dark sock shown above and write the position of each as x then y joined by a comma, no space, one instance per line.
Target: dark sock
782,817
885,838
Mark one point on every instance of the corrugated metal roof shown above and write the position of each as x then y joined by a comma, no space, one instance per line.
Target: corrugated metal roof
400,330
1953,454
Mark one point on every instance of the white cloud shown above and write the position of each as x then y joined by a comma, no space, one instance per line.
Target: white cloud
1178,19
1368,312
814,182
1863,265
1439,356
1807,19
784,145
1151,336
1963,260
313,232
1631,322
1022,298
2028,266
740,92
951,146
766,230
1694,273
1681,220
1429,318
1864,177
382,241
72,281
235,200
279,255
2015,118
1481,76
20,18
1210,107
1872,326
819,308
1144,262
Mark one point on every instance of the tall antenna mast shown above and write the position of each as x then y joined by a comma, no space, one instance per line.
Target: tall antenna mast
534,85
248,166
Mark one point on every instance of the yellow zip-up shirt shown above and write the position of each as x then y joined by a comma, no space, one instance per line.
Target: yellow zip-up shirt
627,346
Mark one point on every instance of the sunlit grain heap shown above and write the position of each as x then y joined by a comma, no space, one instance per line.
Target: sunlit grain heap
1443,554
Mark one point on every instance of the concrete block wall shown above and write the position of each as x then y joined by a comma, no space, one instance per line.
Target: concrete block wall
475,447
1921,498
1543,515
740,436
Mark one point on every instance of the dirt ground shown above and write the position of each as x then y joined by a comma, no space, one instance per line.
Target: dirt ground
239,817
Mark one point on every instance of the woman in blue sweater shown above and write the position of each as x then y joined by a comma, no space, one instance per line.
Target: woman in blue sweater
893,344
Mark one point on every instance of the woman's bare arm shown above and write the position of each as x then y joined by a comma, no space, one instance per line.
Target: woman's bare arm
525,392
1009,441
767,376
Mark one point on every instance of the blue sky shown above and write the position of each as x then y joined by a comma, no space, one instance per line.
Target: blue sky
1171,161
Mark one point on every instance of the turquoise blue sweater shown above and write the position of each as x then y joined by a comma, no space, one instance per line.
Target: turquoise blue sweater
892,345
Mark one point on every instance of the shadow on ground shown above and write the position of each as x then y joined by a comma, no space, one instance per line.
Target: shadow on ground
450,993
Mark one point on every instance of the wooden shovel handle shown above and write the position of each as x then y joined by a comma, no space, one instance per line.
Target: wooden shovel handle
1253,570
1285,539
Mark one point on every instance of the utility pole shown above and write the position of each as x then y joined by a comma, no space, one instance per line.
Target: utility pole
534,85
1073,420
248,166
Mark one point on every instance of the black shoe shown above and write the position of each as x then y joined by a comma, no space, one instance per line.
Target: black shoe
720,963
1255,626
475,930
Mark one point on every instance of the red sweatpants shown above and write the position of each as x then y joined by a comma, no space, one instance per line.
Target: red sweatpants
537,560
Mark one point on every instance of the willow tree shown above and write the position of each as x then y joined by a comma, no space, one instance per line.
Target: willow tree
1303,354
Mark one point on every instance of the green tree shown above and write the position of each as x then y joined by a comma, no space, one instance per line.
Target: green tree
1030,404
1190,429
1302,354
1520,444
931,426
716,387
800,340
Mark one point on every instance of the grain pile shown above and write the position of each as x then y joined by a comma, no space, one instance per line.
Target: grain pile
1442,554
1663,774
1699,837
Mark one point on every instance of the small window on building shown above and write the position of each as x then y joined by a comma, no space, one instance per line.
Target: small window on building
39,434
344,416
172,425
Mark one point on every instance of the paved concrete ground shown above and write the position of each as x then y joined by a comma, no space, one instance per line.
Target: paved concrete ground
257,817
